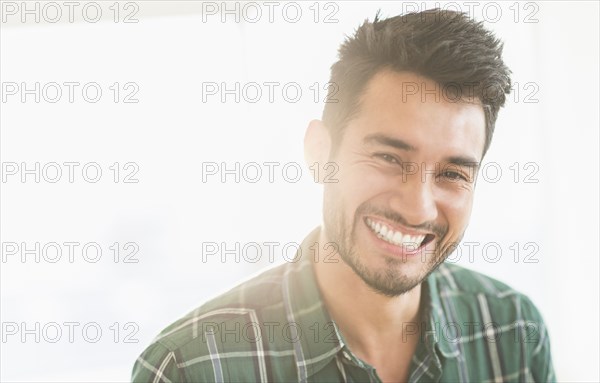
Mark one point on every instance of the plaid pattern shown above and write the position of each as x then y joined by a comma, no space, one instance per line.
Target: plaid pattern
275,328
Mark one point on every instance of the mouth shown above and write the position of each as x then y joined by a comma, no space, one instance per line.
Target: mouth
412,241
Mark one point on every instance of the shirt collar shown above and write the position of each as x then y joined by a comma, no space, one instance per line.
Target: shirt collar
316,340
435,316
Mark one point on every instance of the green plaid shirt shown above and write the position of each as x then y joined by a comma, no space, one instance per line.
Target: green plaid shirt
275,328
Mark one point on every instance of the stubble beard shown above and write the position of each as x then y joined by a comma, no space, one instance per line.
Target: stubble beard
389,280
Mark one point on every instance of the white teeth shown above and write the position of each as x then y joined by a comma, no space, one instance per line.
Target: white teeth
395,237
389,236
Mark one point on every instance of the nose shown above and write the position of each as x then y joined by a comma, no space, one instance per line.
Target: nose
414,200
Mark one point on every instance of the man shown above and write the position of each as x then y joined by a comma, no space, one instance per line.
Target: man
369,297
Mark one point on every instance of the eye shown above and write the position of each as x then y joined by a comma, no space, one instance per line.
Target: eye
387,158
454,176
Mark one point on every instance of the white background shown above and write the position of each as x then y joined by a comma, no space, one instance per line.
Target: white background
169,53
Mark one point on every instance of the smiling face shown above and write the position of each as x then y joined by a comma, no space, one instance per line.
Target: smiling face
405,182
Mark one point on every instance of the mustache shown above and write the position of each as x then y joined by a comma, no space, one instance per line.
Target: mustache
439,230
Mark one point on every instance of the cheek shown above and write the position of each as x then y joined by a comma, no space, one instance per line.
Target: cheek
360,184
456,206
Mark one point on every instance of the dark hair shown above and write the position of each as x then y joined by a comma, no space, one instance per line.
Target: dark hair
443,45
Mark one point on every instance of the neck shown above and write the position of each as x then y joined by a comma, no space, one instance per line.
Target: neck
370,322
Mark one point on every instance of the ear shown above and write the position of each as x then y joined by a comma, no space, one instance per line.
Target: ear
317,147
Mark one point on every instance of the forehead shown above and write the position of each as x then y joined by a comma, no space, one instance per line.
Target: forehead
422,112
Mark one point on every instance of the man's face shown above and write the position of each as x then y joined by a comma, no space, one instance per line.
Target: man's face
405,182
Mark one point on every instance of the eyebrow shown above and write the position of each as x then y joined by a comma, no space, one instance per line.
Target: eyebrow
382,139
468,162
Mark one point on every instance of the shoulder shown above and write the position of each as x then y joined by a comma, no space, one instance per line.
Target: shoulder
248,299
488,314
227,322
468,296
461,283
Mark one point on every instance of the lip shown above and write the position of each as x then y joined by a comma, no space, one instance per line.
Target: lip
395,250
